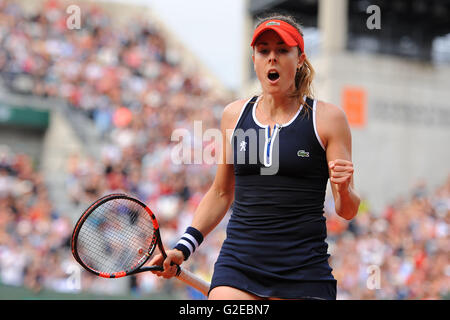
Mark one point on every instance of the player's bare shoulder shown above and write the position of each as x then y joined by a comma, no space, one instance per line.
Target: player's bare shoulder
329,111
231,113
329,119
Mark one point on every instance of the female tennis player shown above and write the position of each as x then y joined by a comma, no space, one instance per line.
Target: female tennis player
275,246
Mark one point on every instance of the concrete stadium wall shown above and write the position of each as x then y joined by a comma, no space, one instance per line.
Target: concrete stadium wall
20,140
49,148
407,130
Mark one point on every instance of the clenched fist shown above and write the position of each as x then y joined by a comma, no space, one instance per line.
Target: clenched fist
341,173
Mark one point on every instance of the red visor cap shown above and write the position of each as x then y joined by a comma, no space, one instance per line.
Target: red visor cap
288,33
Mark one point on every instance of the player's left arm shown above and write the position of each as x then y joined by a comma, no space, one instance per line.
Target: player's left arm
336,131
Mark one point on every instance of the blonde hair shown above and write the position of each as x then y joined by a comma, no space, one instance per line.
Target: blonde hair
305,74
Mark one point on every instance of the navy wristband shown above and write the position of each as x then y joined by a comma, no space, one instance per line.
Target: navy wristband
189,241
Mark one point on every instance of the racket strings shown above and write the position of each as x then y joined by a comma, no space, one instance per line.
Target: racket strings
115,236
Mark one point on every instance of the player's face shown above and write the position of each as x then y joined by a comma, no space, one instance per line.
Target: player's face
276,63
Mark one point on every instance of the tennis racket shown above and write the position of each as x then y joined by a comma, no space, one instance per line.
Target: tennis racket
117,235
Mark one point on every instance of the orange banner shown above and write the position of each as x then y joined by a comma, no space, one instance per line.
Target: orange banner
354,103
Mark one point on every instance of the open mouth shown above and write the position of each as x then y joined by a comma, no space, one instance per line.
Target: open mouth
273,75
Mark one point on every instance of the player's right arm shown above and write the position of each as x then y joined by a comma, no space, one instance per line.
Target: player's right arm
217,200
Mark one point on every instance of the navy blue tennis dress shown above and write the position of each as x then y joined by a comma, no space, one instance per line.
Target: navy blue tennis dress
275,239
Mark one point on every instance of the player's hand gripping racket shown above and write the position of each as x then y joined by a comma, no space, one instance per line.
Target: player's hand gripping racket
117,235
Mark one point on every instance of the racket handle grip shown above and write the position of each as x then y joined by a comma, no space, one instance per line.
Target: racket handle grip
194,281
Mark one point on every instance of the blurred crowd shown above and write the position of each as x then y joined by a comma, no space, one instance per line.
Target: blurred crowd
401,252
34,238
136,91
